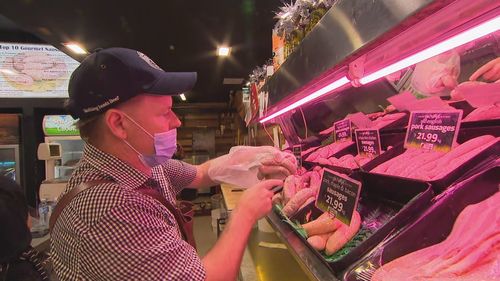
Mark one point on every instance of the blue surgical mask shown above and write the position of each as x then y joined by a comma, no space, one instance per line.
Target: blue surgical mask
165,146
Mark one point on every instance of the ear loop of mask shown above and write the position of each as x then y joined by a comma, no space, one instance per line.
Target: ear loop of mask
137,124
144,130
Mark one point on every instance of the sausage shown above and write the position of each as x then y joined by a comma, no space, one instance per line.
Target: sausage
300,198
343,235
318,242
323,224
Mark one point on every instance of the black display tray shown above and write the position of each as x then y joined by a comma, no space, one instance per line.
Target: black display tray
353,150
391,204
433,226
439,185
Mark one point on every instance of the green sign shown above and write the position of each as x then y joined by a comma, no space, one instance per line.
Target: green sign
59,125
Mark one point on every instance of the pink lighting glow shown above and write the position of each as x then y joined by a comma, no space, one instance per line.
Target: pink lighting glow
467,36
323,91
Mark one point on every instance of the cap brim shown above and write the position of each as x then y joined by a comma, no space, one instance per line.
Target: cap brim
173,83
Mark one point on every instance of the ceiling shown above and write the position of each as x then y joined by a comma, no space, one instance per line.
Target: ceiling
178,35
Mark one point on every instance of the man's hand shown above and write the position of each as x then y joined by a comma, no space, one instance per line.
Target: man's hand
256,201
490,71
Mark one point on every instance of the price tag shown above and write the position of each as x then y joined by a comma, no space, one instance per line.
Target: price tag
342,130
297,152
338,195
368,142
433,130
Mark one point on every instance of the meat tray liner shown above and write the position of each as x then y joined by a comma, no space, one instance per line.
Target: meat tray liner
398,199
432,226
439,185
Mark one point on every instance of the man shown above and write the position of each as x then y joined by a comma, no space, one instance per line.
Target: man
113,232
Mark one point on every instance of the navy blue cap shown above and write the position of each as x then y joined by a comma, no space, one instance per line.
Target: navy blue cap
111,76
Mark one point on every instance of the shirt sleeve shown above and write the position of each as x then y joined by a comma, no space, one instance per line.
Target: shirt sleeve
180,174
137,241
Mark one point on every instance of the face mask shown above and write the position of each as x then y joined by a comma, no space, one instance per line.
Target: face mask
165,146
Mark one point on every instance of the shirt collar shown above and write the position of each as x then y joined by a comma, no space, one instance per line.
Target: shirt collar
124,174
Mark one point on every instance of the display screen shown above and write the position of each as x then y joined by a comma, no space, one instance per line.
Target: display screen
34,71
8,169
59,125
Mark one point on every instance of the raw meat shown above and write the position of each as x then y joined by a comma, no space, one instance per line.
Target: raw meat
471,251
298,200
328,150
484,113
343,234
431,165
323,224
318,242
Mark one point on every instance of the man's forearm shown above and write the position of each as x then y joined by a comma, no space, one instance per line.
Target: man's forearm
202,179
223,261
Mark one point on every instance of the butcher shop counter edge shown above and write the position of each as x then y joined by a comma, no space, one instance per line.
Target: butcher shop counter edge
314,268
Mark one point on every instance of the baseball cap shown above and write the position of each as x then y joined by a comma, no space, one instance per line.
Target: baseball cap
111,76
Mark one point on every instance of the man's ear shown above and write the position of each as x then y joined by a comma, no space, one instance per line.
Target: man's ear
114,120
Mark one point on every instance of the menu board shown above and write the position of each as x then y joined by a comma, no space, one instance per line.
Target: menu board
34,71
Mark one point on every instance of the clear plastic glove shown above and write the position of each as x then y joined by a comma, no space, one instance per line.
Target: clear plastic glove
437,75
245,166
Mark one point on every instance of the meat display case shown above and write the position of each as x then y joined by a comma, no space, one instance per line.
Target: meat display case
345,65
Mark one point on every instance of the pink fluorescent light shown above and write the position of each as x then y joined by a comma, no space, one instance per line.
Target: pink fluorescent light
325,90
467,36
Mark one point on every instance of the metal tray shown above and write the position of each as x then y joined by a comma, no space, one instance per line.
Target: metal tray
432,227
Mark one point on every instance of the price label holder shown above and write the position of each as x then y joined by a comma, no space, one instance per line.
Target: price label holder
401,101
297,152
360,120
342,130
433,130
368,142
338,195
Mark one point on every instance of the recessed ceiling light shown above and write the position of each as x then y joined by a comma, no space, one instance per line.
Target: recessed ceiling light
183,97
223,51
76,48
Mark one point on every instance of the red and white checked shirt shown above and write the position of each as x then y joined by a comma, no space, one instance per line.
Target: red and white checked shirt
113,232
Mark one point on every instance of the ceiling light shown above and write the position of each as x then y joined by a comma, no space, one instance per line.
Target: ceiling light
76,48
467,36
183,97
223,51
323,91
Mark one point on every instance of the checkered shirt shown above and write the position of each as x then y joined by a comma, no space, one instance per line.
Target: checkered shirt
113,232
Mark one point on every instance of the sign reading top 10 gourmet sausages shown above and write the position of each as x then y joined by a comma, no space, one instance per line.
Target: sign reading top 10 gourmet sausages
433,130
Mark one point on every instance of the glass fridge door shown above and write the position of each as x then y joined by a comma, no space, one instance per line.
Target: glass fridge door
9,162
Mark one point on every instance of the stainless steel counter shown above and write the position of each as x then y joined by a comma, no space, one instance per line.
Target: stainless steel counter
310,263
